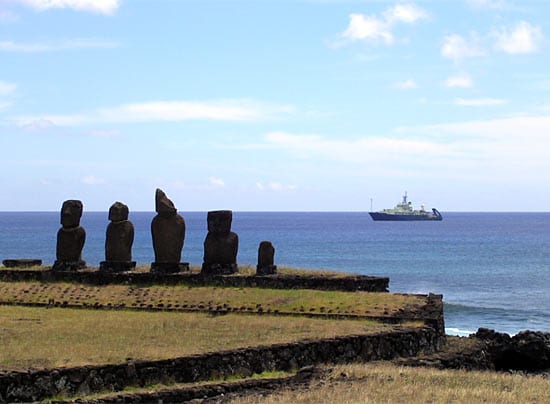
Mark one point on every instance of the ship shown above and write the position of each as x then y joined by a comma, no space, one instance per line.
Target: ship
404,212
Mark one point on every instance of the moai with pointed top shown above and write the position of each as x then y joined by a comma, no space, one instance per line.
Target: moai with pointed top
70,238
168,231
221,245
266,257
118,241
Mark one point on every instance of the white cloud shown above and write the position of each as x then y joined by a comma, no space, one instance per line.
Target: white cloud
64,45
526,128
96,6
459,81
38,124
480,102
457,48
275,186
522,38
491,150
407,13
405,85
166,111
374,150
374,28
93,180
7,88
217,182
364,27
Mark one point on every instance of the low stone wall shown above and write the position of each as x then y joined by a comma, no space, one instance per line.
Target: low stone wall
349,283
214,391
40,385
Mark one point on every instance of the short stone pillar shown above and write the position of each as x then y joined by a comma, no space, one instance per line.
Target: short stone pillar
70,238
266,257
168,231
118,241
221,245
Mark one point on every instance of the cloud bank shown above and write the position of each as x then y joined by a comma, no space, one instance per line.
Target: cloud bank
379,28
56,46
107,7
163,111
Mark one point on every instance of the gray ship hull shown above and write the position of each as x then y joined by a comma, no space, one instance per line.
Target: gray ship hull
434,215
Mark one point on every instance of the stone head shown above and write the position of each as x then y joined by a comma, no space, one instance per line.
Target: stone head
163,205
118,212
71,212
219,221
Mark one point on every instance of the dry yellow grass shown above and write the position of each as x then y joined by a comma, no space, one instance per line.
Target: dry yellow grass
42,337
203,298
386,383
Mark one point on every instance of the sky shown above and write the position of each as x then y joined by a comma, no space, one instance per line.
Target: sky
275,105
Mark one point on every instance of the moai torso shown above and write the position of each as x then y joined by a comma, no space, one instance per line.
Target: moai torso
70,238
120,234
168,231
266,254
266,258
221,244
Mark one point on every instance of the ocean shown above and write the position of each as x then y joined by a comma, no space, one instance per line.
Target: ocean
493,269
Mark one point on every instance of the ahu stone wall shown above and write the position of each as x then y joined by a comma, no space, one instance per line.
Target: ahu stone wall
40,385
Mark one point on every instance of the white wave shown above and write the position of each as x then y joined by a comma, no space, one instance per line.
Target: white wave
459,332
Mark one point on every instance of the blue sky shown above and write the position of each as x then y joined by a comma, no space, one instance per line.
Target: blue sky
300,105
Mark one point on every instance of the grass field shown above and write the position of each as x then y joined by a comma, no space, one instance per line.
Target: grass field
386,383
254,300
52,337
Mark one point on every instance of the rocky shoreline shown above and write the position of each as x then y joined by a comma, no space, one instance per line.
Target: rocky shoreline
527,352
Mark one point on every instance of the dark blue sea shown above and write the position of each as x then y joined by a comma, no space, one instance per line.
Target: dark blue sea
493,269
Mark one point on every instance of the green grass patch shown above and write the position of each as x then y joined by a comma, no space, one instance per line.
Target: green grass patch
46,338
254,300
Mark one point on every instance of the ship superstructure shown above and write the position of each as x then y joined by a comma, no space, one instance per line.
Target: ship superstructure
404,211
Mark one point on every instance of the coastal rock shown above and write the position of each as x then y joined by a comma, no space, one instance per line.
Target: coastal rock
266,257
221,244
168,232
70,238
527,350
118,241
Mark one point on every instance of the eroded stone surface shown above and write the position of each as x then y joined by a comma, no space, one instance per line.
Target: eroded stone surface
120,234
70,238
119,240
221,244
168,232
266,258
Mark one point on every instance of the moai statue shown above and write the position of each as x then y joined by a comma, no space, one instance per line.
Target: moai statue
168,231
221,245
118,241
70,238
266,255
